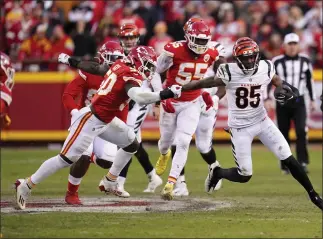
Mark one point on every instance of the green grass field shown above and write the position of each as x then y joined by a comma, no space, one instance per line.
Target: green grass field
271,205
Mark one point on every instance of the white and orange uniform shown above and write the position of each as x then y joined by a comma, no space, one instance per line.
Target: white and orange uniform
248,117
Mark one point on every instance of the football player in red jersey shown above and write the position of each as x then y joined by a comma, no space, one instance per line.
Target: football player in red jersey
105,117
7,73
205,127
78,93
129,38
184,61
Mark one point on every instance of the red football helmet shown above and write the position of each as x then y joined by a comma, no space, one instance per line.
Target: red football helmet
246,53
144,59
109,52
198,36
7,72
190,21
128,36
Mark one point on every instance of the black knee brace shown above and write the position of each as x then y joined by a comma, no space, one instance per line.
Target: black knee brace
103,163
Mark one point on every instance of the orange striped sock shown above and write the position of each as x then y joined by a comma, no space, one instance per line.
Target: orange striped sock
171,179
111,177
30,183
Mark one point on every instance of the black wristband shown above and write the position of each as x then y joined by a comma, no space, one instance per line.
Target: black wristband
166,94
73,62
157,103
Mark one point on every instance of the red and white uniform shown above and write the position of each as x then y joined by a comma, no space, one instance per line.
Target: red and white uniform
6,84
184,67
110,105
111,99
79,92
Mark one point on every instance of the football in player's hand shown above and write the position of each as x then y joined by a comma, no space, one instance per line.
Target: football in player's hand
283,94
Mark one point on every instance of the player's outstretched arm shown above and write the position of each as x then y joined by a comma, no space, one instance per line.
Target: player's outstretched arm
91,67
143,97
208,82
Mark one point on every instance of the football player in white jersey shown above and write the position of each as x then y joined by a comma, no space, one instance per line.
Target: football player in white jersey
245,82
205,127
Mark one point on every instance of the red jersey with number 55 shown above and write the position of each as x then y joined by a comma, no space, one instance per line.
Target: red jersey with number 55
187,66
111,100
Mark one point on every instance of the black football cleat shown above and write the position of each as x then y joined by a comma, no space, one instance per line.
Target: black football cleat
316,199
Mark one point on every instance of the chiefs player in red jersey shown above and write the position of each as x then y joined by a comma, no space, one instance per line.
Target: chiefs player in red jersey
7,73
129,38
78,93
105,117
184,61
206,124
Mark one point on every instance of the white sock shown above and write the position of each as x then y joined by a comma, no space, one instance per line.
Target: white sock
121,181
73,180
49,167
120,161
181,178
180,157
152,173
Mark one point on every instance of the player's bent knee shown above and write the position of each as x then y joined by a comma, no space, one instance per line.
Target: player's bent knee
245,170
67,160
203,147
245,179
133,147
103,163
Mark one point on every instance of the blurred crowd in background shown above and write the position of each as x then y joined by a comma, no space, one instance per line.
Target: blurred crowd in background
34,32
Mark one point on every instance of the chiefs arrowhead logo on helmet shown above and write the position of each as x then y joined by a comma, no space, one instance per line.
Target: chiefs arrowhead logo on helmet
144,59
110,52
198,36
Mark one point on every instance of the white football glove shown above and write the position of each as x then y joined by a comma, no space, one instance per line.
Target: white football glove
177,90
63,58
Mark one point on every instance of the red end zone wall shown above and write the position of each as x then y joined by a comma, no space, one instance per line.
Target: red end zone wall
37,112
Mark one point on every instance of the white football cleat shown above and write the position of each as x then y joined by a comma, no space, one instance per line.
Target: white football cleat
22,192
110,187
207,183
124,193
154,182
180,189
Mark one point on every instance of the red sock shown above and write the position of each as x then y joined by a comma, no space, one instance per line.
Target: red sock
72,188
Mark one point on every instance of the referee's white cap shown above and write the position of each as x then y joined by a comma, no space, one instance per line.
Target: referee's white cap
291,37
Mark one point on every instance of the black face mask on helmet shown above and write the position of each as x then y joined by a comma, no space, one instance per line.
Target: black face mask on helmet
249,62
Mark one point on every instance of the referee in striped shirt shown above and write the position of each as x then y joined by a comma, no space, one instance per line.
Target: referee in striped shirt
296,69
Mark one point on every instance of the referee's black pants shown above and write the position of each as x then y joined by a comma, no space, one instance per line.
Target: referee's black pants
295,111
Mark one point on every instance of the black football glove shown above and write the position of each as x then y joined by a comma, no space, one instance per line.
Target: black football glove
285,93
